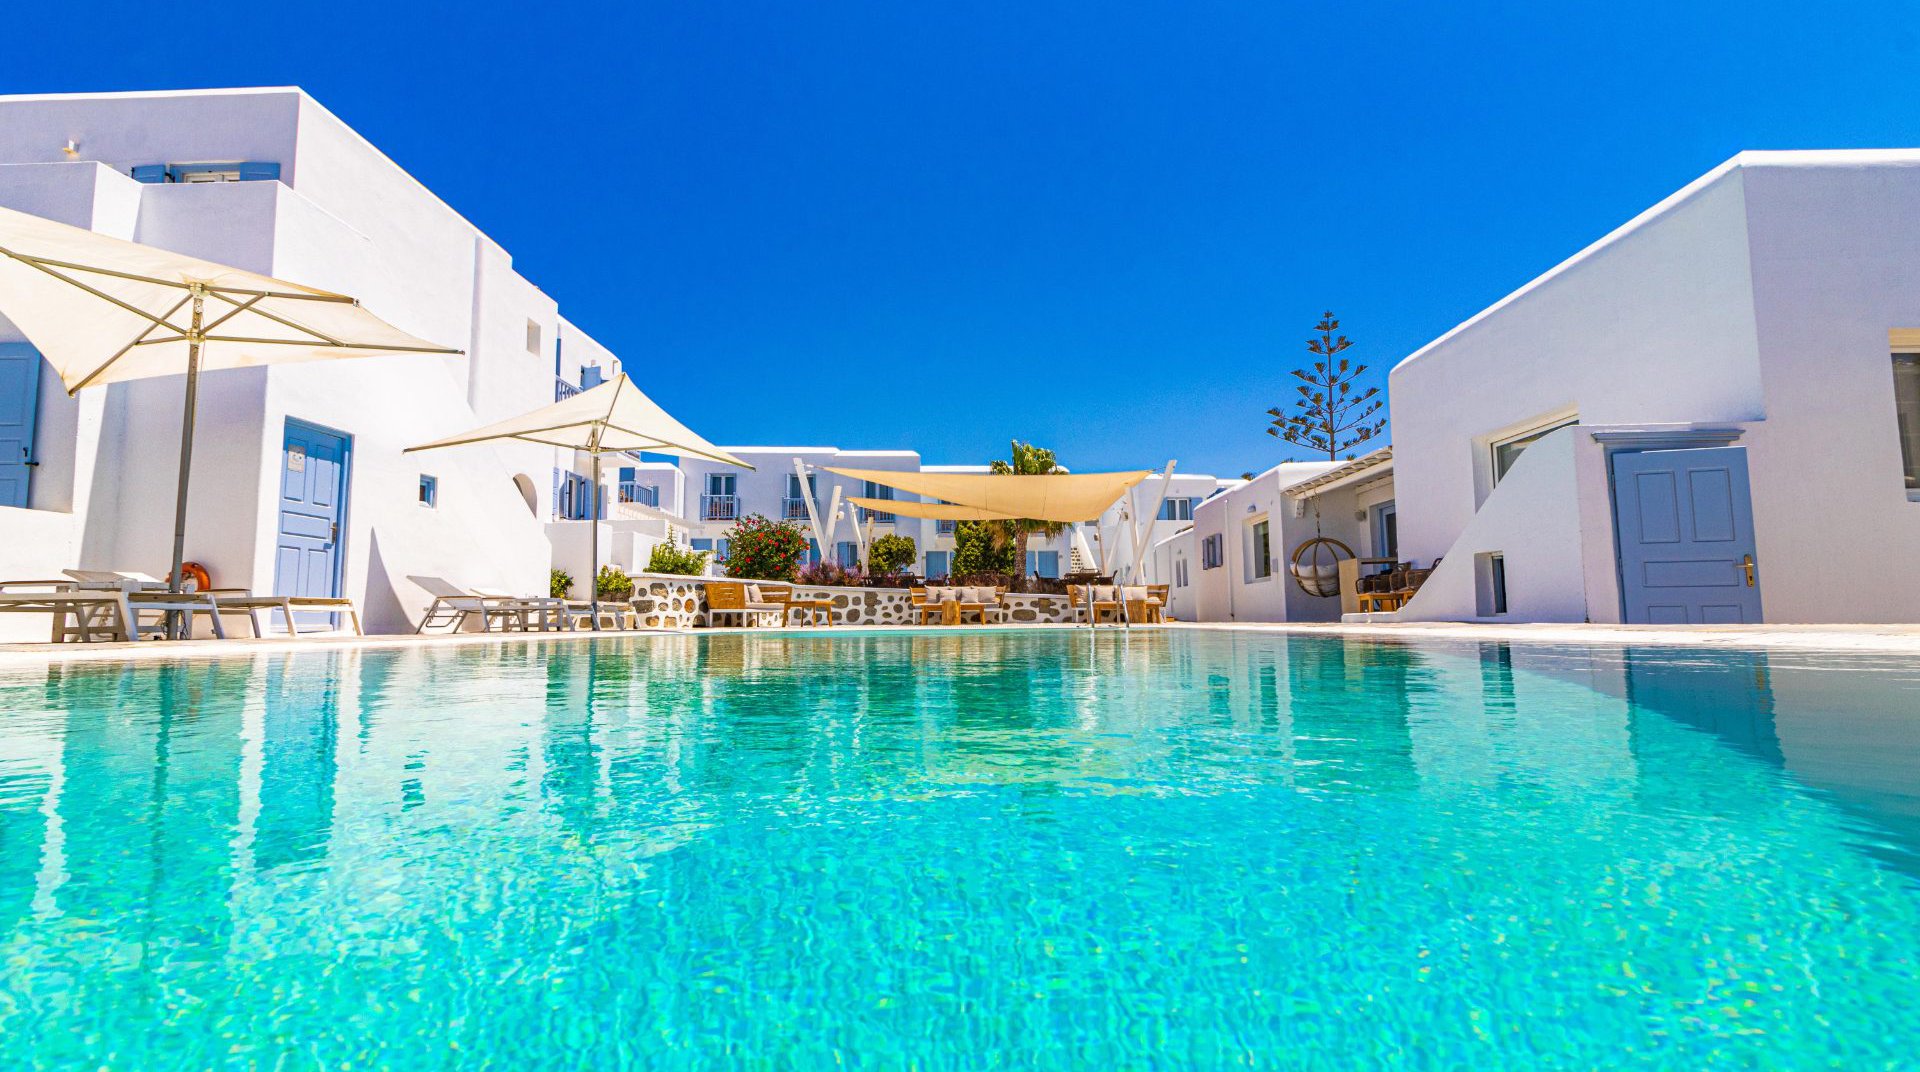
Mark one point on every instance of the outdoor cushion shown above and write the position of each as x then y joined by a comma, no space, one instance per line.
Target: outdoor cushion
941,594
1103,593
753,593
1134,591
980,594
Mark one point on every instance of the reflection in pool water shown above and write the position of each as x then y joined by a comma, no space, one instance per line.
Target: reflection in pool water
1045,849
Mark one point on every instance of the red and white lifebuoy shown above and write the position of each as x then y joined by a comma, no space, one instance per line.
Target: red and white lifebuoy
194,577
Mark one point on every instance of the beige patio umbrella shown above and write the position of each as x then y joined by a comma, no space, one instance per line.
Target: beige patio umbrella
613,418
103,310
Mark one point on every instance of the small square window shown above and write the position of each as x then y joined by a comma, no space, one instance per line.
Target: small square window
533,337
429,491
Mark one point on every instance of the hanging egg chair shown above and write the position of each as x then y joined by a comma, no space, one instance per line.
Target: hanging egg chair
1316,565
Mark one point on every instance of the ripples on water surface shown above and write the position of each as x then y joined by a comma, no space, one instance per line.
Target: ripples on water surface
962,850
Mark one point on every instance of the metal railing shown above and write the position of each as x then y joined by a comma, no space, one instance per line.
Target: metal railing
793,509
945,528
644,494
875,516
719,507
562,390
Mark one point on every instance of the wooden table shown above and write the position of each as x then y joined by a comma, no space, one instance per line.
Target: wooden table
813,607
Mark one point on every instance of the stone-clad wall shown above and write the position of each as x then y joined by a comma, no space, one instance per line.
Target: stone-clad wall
666,602
669,602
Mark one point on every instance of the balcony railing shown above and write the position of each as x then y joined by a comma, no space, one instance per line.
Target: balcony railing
875,516
793,509
719,507
562,390
644,494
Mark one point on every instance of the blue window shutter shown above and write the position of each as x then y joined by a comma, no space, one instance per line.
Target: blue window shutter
253,170
591,377
150,173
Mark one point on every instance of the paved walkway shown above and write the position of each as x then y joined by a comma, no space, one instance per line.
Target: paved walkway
1899,639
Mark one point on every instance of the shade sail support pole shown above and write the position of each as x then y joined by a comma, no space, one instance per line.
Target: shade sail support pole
177,620
593,541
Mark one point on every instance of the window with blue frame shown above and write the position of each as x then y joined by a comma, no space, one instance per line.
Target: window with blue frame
813,552
847,553
571,501
429,491
938,563
1176,510
1043,563
208,171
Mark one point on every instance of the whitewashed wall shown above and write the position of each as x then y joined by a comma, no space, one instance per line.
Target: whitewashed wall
1759,298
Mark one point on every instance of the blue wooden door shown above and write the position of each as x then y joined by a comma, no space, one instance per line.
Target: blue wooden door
19,403
1684,519
313,504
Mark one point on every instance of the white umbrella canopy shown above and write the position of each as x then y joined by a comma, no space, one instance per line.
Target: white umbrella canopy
612,418
104,310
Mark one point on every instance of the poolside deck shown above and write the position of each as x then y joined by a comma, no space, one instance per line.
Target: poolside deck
1893,639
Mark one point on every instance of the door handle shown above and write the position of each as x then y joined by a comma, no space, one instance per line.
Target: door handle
1746,565
26,459
333,536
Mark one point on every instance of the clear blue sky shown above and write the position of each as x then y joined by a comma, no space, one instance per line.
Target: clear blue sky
1104,227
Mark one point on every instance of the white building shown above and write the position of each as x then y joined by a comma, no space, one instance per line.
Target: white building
298,463
1712,414
300,484
717,495
1234,563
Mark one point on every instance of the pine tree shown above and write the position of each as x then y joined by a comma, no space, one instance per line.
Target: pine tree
1329,416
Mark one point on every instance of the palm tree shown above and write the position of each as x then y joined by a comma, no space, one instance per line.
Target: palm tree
1028,460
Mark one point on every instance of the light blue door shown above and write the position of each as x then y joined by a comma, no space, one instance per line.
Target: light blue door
19,403
313,506
1684,519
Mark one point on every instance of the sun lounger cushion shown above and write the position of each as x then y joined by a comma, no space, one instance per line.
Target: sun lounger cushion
753,593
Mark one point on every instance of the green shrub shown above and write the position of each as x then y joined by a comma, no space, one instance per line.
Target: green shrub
762,550
613,583
975,551
559,583
668,558
892,553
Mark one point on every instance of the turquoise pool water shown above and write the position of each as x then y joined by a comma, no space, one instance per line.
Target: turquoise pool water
963,850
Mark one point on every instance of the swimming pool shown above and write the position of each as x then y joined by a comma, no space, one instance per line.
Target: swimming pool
947,849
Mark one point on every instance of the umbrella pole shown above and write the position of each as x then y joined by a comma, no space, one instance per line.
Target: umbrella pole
593,567
178,622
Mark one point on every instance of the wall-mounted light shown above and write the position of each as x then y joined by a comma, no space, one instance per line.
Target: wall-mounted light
71,148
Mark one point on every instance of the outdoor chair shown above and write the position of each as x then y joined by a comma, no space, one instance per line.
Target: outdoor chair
1092,601
452,606
78,616
148,595
1153,609
982,602
743,601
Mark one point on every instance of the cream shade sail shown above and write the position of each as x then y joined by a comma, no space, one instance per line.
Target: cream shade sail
615,416
102,310
999,496
931,511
